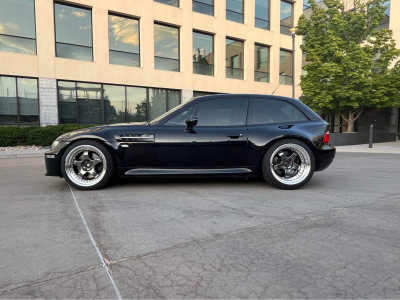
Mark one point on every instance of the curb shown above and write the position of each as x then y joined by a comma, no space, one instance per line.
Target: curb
22,155
370,151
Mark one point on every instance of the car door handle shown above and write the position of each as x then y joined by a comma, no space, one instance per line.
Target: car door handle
285,126
234,135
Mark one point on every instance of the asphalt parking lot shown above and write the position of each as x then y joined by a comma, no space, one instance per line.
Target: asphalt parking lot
339,237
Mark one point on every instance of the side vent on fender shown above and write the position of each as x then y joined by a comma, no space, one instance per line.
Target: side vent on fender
134,137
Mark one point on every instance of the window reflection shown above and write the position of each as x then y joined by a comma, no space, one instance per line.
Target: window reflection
136,104
67,102
285,68
73,32
22,108
89,103
234,59
234,10
157,103
114,104
286,17
166,48
123,34
83,103
28,101
261,63
203,56
204,7
262,14
17,26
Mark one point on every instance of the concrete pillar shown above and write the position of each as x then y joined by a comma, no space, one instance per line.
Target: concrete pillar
48,105
186,95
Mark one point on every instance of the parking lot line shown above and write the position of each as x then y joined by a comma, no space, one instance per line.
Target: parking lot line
116,290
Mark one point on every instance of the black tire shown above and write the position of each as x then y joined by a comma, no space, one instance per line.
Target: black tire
104,155
284,183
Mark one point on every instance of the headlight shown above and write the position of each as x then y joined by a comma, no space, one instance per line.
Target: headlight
54,145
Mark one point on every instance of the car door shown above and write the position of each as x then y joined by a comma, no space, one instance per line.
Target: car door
217,141
221,132
173,145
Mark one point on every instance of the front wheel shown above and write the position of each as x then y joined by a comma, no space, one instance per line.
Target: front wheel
87,165
288,164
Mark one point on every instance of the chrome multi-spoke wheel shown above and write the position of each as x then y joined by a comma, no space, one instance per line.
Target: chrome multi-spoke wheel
288,164
85,165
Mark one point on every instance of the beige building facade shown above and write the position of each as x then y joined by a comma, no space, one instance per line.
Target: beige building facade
61,79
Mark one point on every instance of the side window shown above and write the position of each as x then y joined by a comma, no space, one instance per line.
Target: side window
180,118
267,111
222,112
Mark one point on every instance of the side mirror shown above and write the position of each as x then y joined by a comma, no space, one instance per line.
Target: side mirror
190,123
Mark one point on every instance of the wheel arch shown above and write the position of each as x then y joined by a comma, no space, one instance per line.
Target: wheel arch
292,137
104,142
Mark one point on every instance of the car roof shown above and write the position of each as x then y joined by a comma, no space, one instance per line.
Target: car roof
213,96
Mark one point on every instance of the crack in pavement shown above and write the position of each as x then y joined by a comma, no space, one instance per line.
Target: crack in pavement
30,283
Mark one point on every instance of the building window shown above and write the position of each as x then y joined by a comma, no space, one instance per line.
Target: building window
73,32
92,103
386,20
17,26
262,14
286,17
203,54
235,10
234,58
285,67
123,37
204,7
261,63
166,48
199,94
136,104
169,2
19,101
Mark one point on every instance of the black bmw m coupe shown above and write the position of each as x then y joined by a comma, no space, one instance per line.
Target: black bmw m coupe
218,135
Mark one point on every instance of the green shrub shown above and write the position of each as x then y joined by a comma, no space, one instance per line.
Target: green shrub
38,136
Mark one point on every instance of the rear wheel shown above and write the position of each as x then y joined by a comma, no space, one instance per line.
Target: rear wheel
87,165
288,164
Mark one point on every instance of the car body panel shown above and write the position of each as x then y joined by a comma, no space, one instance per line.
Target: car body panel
165,147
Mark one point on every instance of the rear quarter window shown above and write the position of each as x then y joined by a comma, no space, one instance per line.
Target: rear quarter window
266,111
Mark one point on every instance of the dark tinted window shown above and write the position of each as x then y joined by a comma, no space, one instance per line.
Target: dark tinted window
180,118
271,111
18,108
222,112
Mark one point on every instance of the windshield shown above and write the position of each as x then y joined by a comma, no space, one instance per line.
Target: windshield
156,120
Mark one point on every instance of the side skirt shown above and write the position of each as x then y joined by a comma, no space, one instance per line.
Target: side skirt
161,172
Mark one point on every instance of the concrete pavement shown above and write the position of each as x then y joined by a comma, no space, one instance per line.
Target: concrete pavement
336,238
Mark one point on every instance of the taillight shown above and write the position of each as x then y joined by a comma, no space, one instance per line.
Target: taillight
326,137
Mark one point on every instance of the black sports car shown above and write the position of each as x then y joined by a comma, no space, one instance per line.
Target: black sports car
218,135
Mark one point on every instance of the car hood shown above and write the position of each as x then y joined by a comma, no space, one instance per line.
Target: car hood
107,132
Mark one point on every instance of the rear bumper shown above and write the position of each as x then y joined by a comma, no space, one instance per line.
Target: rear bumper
325,157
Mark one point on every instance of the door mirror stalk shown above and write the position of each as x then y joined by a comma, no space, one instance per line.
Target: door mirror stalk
190,123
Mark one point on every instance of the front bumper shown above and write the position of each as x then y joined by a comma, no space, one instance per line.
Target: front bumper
325,157
52,159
